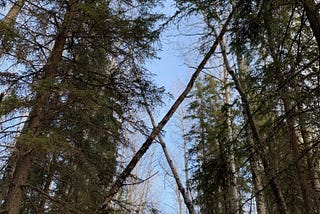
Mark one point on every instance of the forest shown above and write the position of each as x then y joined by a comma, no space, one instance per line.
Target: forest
79,121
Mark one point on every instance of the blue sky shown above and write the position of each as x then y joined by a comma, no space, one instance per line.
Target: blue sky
172,73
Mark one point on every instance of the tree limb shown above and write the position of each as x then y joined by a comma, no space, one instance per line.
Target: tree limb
155,132
182,190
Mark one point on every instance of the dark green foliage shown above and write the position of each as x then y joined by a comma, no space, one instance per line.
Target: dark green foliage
211,147
83,101
273,53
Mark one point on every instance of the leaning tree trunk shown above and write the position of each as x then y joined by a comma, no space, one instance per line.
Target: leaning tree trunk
9,21
24,151
182,190
12,15
155,132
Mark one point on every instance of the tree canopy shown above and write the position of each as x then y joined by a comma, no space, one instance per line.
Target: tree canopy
75,91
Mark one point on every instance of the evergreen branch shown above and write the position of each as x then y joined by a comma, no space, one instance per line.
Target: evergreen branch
184,193
57,201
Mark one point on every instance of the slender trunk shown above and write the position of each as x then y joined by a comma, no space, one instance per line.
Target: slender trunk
186,166
256,178
258,188
313,17
254,166
12,15
179,200
308,203
230,156
182,190
185,154
220,199
130,191
258,144
9,21
146,185
25,152
202,135
155,132
307,145
234,183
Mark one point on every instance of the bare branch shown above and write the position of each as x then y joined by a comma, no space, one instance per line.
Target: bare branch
143,149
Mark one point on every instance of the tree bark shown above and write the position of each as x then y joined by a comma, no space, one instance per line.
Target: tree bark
308,203
256,177
9,21
182,190
155,132
258,144
185,152
13,13
235,208
308,145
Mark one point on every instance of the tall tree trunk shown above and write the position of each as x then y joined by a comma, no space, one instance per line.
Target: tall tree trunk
25,152
308,147
235,208
254,166
258,144
256,177
186,166
202,134
308,203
